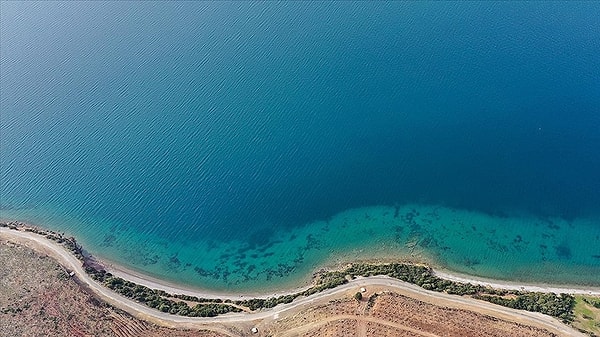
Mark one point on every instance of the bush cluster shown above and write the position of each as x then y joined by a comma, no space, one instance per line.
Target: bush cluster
422,276
159,299
560,306
592,302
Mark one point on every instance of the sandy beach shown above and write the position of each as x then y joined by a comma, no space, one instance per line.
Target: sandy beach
169,287
544,288
64,257
155,283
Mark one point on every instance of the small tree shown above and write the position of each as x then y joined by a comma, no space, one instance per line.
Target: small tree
358,296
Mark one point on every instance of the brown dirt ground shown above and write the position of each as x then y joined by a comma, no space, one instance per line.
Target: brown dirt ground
38,298
392,314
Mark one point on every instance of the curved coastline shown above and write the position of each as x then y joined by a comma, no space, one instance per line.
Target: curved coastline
526,249
73,264
69,254
155,283
171,287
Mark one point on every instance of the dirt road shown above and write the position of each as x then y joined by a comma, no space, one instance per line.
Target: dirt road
141,311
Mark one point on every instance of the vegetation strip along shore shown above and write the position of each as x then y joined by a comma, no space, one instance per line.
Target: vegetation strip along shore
559,306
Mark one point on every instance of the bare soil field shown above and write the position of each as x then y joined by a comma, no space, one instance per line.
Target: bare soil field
39,298
391,314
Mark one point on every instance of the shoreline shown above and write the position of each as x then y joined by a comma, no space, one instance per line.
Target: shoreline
174,288
337,263
515,285
74,266
237,268
333,264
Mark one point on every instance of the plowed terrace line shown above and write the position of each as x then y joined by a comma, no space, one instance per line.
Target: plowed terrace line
306,328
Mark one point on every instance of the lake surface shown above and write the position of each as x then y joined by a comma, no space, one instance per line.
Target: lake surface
238,146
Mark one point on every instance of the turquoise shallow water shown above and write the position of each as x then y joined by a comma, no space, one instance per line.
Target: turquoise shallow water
239,146
508,247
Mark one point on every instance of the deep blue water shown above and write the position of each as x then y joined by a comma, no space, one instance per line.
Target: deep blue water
187,120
